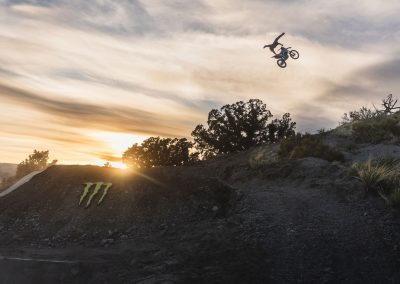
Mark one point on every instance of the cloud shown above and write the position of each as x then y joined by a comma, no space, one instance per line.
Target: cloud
88,115
366,85
157,67
88,77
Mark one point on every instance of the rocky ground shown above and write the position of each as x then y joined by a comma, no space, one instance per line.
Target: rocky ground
221,221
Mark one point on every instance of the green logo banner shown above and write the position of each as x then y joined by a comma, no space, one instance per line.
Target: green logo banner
97,187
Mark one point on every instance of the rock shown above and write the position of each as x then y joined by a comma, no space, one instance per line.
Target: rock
215,208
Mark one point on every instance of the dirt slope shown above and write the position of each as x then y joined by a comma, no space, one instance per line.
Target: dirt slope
18,183
48,204
316,227
220,221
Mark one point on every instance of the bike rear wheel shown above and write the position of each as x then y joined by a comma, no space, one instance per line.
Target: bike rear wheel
294,54
281,63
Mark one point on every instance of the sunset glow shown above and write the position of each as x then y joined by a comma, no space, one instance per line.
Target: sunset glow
87,79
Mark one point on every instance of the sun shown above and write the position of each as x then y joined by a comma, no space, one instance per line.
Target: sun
117,165
117,142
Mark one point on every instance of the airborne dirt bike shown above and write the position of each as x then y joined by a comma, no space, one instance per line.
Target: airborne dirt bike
284,55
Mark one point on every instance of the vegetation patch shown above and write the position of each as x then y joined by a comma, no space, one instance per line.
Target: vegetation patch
261,158
374,176
379,129
240,126
306,145
381,176
374,126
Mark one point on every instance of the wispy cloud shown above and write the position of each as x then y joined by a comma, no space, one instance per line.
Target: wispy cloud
157,67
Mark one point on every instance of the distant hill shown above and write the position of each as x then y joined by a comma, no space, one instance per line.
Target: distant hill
7,170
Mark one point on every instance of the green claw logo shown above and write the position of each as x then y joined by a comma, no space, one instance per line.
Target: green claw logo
96,190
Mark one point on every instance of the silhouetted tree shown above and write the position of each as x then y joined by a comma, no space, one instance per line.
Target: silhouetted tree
156,151
238,127
35,162
388,104
280,129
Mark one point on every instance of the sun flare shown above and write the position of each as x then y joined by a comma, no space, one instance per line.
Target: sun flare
117,142
117,165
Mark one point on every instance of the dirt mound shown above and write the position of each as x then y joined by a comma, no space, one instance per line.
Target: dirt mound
48,205
243,218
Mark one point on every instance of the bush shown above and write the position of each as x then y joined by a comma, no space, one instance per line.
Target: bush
37,161
238,127
156,151
357,115
377,130
262,157
389,107
374,175
301,146
381,176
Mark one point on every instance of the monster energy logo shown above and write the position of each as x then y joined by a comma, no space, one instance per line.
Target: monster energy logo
98,186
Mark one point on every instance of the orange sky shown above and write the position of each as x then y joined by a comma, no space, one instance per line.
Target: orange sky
86,79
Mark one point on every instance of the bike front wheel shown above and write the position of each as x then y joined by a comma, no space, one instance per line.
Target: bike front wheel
281,63
294,54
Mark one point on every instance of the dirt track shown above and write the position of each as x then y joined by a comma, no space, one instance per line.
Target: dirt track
19,183
296,222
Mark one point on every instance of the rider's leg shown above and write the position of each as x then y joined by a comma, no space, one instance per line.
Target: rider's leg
281,35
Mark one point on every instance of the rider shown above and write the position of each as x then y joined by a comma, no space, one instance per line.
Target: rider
273,45
284,53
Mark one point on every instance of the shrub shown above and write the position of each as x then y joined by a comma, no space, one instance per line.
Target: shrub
240,126
374,176
156,151
381,176
262,157
361,114
301,146
388,104
376,130
37,161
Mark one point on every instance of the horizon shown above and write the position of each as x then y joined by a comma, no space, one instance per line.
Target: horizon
87,80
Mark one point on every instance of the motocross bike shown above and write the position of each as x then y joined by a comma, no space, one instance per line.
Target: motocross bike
284,55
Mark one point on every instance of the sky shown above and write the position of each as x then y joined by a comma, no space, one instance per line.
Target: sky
87,79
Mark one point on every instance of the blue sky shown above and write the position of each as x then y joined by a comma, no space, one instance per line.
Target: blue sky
86,79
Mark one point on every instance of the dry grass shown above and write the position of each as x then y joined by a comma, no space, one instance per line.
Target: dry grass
382,176
374,175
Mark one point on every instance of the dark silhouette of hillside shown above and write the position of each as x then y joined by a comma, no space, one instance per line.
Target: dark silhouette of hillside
320,208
